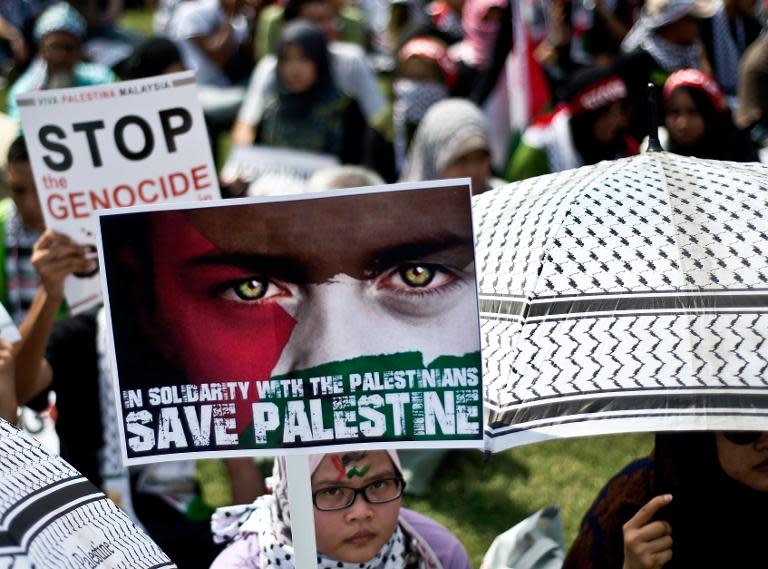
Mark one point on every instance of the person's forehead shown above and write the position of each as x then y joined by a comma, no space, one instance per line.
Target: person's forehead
293,50
364,223
373,462
417,67
681,98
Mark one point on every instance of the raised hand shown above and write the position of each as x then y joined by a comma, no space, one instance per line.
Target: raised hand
647,543
55,256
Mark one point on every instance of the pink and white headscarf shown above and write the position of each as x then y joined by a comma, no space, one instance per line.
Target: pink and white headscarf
479,35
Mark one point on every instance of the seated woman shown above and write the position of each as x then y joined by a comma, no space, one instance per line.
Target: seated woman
359,522
589,127
452,142
699,500
699,122
306,110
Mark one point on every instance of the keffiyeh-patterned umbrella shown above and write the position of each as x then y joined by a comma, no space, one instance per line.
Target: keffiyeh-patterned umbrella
51,516
627,296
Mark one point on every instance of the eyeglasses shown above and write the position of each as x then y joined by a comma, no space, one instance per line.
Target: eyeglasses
340,497
742,437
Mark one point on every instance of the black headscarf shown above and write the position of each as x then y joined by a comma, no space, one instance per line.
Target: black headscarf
311,40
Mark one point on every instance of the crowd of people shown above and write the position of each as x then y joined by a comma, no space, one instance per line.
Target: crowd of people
355,80
402,90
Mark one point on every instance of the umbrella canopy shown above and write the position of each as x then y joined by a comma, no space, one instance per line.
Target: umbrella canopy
51,516
626,296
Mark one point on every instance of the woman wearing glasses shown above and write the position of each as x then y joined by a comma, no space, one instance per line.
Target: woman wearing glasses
699,500
359,522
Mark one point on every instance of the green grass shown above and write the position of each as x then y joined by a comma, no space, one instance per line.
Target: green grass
478,501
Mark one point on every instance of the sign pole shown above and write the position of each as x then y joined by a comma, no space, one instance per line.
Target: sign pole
302,511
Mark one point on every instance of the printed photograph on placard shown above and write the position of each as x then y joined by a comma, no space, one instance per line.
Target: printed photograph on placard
347,318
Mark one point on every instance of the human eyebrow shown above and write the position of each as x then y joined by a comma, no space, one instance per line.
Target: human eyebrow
449,249
280,267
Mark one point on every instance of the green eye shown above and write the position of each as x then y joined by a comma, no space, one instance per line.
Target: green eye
251,289
417,275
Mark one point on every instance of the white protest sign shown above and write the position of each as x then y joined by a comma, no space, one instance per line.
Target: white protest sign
118,145
274,171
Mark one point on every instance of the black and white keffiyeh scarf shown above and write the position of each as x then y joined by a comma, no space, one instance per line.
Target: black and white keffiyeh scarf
276,551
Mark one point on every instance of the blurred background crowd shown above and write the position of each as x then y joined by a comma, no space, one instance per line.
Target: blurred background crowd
493,90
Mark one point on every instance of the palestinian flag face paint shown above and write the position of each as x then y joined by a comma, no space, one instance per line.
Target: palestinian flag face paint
331,286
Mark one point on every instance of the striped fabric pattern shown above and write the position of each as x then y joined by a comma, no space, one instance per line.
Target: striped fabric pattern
53,517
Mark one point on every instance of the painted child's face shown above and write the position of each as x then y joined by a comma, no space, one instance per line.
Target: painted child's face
357,533
249,292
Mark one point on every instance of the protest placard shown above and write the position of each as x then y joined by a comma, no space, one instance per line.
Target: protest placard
274,171
117,145
296,324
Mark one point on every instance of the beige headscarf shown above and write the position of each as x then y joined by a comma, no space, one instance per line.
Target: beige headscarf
449,130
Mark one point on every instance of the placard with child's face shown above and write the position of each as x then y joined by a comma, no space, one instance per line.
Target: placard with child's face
340,319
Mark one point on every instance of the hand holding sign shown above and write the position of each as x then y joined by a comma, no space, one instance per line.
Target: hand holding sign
648,544
55,256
